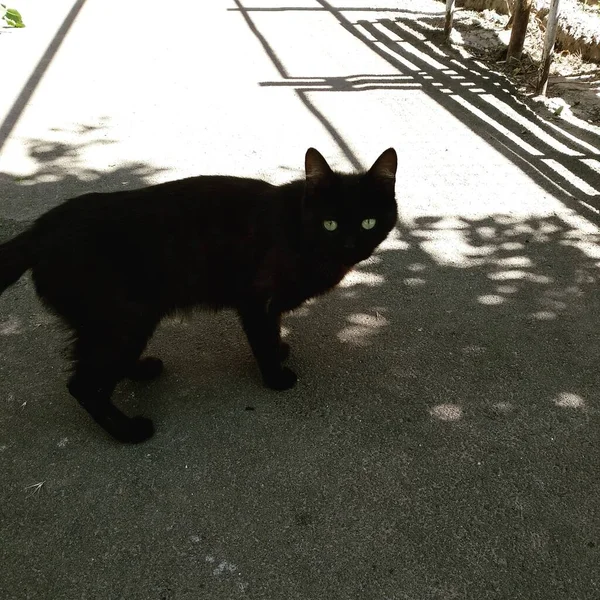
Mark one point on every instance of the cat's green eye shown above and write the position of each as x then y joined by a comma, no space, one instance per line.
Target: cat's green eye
368,223
330,225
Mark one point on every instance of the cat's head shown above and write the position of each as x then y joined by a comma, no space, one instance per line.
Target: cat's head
347,216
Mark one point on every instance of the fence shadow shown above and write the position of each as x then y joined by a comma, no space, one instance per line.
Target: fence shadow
562,158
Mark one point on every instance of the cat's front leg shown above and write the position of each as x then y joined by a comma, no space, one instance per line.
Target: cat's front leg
284,351
262,326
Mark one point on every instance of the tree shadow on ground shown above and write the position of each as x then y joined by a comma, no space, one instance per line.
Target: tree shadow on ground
478,313
462,362
59,169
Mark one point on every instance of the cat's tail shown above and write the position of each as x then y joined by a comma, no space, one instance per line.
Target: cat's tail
15,258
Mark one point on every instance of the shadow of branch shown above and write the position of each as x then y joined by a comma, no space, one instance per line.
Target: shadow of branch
57,170
484,320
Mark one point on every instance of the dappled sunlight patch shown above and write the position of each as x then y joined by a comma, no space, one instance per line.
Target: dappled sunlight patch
555,304
393,242
490,299
507,289
356,335
515,261
447,412
372,260
516,252
549,228
417,267
590,248
503,407
356,277
11,326
349,294
487,232
449,223
537,278
579,225
544,315
451,249
518,274
376,320
48,178
508,275
487,250
504,219
512,246
361,327
302,311
584,278
414,281
24,180
89,176
539,265
569,400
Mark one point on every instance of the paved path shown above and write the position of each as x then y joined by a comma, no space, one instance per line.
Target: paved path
443,440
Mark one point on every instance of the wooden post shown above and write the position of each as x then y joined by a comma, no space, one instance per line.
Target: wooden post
549,39
519,29
449,16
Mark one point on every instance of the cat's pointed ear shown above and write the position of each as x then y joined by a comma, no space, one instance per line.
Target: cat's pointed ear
317,169
385,166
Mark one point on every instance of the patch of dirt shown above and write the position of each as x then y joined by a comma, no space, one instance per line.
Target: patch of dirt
574,83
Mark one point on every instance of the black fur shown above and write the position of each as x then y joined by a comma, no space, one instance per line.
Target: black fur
113,265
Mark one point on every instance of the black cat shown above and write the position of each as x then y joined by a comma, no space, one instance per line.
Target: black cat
113,265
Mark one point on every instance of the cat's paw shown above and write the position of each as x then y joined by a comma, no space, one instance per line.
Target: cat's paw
284,351
146,369
281,380
134,431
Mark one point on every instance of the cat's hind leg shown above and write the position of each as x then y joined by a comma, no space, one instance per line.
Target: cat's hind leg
103,354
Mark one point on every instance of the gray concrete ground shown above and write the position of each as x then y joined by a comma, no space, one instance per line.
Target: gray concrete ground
442,442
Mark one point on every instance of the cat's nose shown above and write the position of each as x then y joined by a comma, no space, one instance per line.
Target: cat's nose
349,244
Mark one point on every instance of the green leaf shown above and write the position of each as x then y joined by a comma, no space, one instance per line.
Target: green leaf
12,17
